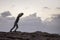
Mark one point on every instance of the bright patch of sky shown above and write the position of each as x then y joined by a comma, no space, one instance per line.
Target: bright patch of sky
43,8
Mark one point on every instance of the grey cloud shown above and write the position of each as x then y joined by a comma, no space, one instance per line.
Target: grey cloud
54,25
32,23
6,22
46,7
56,16
57,7
6,13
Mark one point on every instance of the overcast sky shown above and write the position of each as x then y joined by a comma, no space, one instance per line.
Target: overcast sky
43,8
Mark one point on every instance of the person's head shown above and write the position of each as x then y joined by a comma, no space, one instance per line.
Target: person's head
20,14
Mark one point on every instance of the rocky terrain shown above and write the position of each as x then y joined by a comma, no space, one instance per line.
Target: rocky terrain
38,35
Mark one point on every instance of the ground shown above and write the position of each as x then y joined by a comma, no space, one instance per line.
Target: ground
38,35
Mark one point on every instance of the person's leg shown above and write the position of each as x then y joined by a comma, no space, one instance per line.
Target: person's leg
16,27
15,24
12,28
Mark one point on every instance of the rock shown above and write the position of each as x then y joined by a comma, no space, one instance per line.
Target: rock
28,36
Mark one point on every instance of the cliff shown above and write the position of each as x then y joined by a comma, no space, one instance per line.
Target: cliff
38,35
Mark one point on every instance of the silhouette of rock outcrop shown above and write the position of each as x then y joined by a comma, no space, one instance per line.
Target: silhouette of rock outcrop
28,36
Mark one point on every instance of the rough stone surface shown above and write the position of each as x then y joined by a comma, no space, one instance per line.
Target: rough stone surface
38,35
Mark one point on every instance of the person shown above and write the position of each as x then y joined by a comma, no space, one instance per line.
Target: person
16,22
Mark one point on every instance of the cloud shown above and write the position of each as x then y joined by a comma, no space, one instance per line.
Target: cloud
46,7
32,23
6,13
54,25
56,16
57,7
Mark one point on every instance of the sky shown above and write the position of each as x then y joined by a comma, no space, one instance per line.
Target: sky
43,8
30,23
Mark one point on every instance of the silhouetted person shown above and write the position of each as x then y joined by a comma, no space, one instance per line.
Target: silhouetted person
16,22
